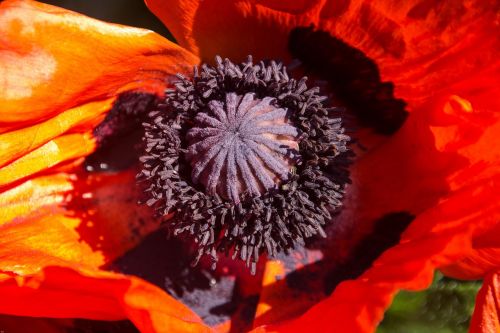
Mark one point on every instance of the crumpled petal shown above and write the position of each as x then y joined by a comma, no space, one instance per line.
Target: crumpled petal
358,305
486,316
448,160
420,45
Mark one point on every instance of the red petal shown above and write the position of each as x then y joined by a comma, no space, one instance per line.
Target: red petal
67,293
482,260
422,46
437,237
441,166
447,175
486,316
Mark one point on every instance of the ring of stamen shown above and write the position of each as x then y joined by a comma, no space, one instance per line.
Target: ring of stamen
248,159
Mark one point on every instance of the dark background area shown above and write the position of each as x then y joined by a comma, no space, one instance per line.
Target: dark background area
129,12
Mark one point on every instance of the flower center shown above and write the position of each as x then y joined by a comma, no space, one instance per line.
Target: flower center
247,160
241,145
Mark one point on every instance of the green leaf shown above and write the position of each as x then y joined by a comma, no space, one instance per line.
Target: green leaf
445,307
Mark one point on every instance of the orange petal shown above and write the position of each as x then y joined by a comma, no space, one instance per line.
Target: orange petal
79,224
16,143
90,61
36,231
68,293
486,316
70,220
56,151
111,221
44,239
49,104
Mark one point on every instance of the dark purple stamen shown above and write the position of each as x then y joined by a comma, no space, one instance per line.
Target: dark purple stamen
247,160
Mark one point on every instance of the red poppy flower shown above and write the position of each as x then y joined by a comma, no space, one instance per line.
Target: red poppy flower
62,227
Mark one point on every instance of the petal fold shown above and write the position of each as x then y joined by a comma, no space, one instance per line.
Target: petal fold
16,143
61,149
